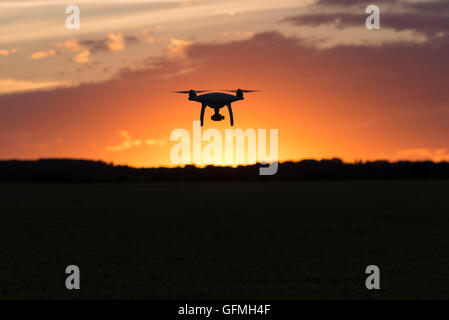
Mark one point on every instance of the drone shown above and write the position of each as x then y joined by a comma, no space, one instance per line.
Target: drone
216,101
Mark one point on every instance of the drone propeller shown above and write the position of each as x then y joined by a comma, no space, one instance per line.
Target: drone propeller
241,90
197,91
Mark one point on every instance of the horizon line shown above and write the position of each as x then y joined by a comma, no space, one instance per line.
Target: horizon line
202,166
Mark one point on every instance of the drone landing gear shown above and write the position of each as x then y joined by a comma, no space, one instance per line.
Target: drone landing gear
216,116
230,114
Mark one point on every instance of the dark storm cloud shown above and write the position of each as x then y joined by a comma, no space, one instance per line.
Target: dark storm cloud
431,6
345,3
430,17
425,23
403,66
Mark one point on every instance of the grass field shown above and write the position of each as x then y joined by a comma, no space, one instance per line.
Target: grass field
232,240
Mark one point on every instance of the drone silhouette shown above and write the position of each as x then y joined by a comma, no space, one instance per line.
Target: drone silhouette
216,101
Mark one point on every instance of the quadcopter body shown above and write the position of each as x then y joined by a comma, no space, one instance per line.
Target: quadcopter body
216,101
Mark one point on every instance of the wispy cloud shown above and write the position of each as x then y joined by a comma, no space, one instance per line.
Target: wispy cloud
71,45
129,143
83,53
178,47
7,52
85,48
146,37
82,57
115,42
155,142
43,54
138,14
13,85
423,154
47,3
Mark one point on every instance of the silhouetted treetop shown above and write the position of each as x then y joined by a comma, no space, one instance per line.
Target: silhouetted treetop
70,170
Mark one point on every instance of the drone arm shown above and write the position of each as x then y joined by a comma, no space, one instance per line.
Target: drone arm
203,107
230,114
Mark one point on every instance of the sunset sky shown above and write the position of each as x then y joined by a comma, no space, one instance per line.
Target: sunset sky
330,86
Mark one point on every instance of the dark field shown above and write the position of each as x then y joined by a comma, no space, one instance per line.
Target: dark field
231,240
